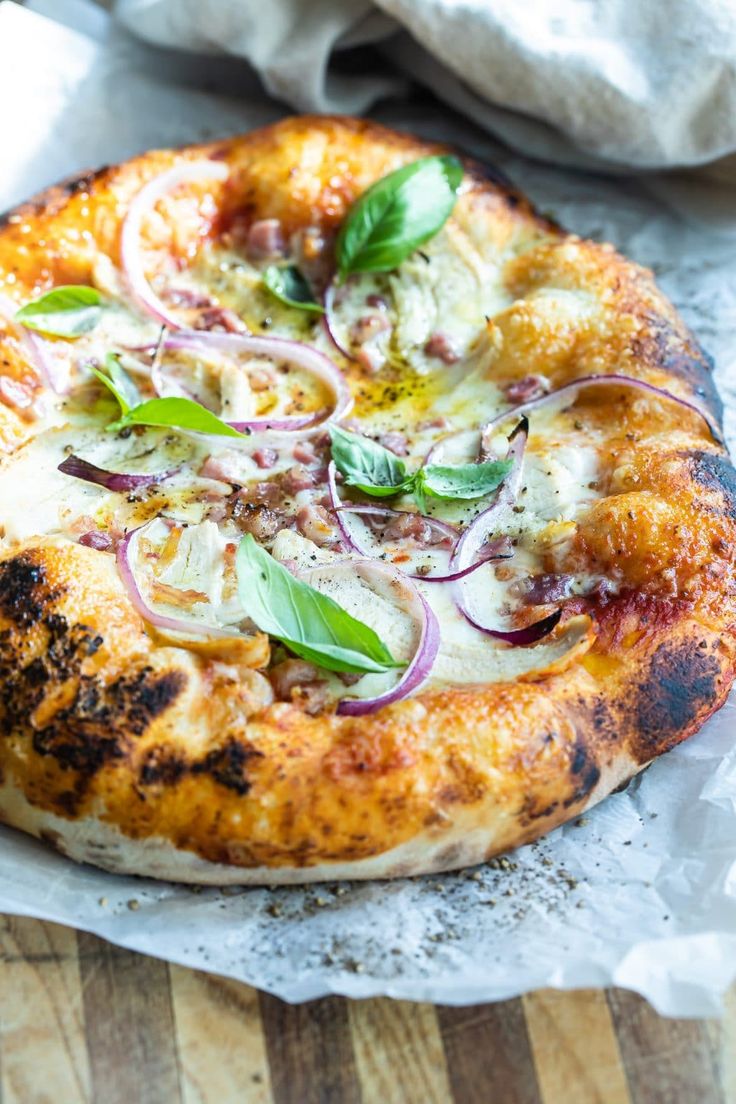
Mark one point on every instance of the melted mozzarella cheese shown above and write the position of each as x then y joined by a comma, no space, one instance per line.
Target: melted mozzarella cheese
451,290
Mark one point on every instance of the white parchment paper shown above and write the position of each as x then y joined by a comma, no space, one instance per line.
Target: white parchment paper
642,893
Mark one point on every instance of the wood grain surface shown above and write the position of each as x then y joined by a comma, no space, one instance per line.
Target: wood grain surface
82,1021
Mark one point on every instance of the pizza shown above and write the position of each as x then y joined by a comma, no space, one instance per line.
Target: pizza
356,520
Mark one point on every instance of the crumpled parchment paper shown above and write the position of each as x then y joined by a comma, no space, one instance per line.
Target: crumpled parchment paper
642,892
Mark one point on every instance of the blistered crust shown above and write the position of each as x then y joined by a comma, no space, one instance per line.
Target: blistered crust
136,755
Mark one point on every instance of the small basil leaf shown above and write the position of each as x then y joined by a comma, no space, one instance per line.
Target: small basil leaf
178,413
370,467
118,382
68,311
463,480
308,622
289,286
122,381
397,214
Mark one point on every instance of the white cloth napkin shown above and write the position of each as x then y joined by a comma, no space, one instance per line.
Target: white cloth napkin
636,84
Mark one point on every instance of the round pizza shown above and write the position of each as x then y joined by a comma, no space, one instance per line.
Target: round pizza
355,520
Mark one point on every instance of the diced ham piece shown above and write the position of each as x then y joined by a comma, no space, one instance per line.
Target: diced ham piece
410,526
103,542
219,318
265,457
260,521
395,442
261,375
540,590
187,297
15,394
220,467
304,452
439,346
369,327
298,681
434,423
523,390
314,523
297,479
261,494
265,240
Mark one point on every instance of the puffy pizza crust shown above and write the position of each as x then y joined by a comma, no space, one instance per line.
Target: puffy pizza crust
142,757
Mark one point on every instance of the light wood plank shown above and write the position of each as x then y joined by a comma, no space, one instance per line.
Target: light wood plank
398,1052
310,1052
129,1025
667,1061
221,1045
488,1054
574,1046
722,1035
44,1057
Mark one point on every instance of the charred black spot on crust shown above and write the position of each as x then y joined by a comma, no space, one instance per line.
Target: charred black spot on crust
685,359
161,767
24,590
227,765
682,681
100,719
98,724
585,773
714,472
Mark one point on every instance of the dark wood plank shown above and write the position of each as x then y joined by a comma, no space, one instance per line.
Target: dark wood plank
128,1024
666,1061
488,1054
310,1052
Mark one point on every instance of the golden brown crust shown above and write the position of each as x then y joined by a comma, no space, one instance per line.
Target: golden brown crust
103,725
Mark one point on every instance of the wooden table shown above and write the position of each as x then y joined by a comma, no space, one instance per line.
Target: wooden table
81,1020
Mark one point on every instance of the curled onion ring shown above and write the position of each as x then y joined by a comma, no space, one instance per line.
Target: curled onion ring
130,242
125,557
427,647
280,349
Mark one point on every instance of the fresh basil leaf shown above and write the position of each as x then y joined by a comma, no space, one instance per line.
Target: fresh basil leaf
464,480
397,214
68,311
461,480
178,413
370,467
309,623
122,381
118,382
289,286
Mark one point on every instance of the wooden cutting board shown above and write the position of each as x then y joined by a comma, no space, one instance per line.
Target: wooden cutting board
83,1021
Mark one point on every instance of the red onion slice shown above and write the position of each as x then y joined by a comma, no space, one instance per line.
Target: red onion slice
530,634
487,431
125,557
280,349
475,537
568,390
130,242
35,349
428,645
471,542
328,321
496,550
111,481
